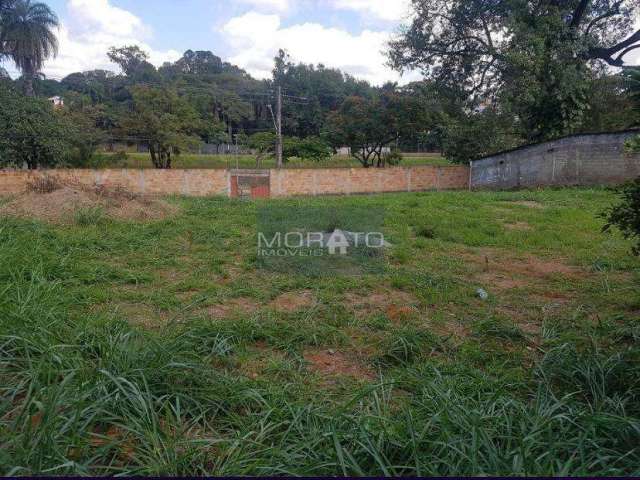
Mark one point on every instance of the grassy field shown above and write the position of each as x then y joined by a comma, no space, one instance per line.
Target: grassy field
160,348
142,160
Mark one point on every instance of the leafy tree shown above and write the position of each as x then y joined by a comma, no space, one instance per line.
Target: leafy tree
28,37
626,215
324,89
134,63
264,144
534,57
96,84
199,63
367,126
32,133
610,105
475,135
164,120
82,120
632,77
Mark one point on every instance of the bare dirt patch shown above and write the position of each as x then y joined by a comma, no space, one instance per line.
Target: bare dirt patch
235,306
60,205
332,363
392,301
401,313
504,272
291,302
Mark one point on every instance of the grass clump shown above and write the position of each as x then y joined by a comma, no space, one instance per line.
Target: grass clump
88,216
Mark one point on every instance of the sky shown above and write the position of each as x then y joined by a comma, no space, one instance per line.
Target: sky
347,34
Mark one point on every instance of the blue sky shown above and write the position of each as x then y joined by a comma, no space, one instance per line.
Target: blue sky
348,34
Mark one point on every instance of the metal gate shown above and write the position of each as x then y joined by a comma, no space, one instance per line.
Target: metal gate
250,184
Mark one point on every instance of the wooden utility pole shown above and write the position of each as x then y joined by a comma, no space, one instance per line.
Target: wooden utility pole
279,162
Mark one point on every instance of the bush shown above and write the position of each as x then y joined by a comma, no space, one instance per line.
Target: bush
394,157
626,215
82,136
633,145
44,184
312,148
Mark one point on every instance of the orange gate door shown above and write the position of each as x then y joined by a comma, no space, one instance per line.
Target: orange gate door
250,184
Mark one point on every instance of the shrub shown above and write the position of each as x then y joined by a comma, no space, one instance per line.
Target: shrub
633,145
312,148
44,184
394,157
625,216
426,232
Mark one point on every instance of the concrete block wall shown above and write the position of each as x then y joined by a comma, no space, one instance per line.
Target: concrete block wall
347,181
284,183
589,159
144,182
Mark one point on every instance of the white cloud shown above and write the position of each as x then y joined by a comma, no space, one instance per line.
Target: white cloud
90,28
269,5
256,39
390,10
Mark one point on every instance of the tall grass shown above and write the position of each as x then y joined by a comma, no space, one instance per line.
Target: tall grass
86,396
84,393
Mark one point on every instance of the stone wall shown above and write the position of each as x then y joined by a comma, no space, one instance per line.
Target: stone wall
589,159
283,183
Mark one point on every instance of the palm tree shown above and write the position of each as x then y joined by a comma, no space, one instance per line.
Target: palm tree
28,37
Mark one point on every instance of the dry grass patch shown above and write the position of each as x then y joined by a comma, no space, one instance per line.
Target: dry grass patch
60,205
391,301
495,269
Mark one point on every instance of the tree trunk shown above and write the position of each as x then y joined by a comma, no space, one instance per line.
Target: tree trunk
152,151
28,85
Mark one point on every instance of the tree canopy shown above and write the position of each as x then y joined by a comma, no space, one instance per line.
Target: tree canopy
534,59
367,126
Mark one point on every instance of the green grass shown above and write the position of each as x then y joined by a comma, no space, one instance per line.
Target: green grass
112,361
142,160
